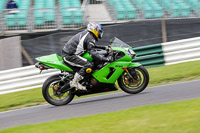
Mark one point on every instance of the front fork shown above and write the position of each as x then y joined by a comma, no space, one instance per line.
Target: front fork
132,73
131,70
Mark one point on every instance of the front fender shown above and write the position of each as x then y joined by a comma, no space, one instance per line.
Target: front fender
134,65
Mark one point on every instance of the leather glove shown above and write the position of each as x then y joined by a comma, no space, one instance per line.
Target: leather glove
108,48
109,59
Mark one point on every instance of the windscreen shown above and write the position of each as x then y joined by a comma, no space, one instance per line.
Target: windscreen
115,42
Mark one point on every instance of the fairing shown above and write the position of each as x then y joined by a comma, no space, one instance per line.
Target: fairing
53,61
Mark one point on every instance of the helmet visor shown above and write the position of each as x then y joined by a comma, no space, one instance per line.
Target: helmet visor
100,34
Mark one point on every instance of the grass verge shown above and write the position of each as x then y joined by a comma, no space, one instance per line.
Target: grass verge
177,117
158,76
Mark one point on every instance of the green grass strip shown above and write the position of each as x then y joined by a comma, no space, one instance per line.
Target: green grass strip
185,71
18,99
177,117
158,76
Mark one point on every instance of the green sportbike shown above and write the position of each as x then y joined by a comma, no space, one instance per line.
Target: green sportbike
131,77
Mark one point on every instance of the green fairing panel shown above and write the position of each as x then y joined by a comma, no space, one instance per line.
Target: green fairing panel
126,57
101,75
53,61
126,61
87,56
133,64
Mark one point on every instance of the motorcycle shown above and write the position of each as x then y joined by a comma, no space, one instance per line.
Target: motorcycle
131,77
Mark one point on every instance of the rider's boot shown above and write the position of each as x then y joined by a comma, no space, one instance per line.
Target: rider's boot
75,82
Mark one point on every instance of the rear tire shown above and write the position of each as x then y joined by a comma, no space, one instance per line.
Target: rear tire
52,99
129,85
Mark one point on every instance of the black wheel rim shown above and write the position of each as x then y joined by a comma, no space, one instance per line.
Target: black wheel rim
54,94
131,83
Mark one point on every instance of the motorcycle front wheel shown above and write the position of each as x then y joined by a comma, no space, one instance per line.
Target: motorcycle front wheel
133,86
51,94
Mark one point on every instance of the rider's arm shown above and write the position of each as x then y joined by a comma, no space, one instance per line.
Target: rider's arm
100,47
92,51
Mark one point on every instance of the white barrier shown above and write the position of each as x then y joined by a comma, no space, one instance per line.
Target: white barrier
182,55
21,72
181,45
26,81
24,78
181,51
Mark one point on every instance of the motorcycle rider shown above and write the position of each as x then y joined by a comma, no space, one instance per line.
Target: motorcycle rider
79,44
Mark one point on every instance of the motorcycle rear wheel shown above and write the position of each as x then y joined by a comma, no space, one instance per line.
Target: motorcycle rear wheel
52,95
132,86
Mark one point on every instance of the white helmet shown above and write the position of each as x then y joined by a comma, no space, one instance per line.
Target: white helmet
96,29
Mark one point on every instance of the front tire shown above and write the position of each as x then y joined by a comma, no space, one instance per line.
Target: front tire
52,95
132,86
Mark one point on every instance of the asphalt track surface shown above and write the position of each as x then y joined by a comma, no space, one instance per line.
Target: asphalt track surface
100,104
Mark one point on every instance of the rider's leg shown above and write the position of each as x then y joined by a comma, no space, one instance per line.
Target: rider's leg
78,61
79,76
75,82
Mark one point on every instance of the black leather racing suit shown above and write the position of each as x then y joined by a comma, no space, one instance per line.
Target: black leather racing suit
78,45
